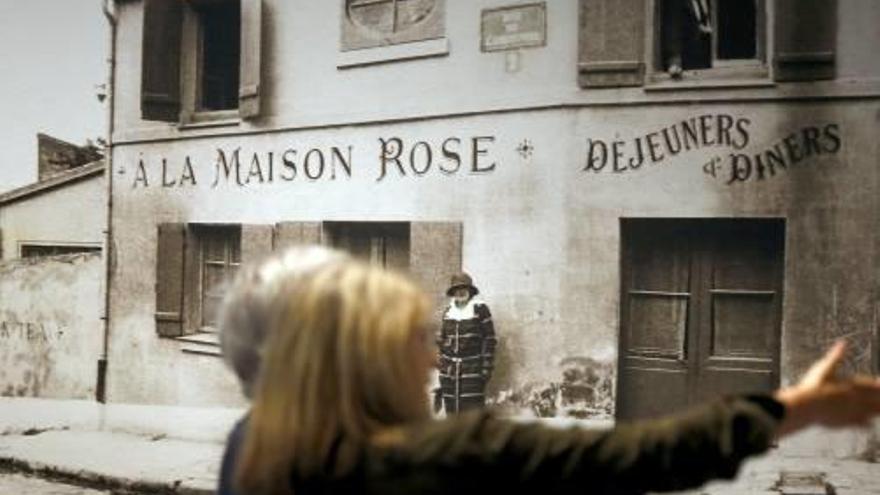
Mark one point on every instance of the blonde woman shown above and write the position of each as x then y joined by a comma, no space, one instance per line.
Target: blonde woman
244,325
340,407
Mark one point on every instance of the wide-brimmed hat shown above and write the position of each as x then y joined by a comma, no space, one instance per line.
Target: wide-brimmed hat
462,280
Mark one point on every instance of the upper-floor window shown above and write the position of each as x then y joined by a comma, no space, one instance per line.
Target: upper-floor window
698,35
626,42
218,55
201,60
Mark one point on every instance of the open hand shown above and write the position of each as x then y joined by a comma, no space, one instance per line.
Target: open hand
823,398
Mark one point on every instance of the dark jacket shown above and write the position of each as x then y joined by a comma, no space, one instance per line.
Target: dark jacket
467,352
476,452
230,456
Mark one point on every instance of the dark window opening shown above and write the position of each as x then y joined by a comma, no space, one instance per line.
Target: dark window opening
38,250
737,32
382,243
219,55
702,34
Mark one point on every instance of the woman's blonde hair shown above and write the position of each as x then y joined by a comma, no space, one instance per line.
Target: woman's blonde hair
338,370
243,318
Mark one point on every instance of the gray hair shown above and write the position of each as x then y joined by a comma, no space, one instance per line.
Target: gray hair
244,316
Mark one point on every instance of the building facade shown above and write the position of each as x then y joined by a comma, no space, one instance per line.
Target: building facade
659,204
64,213
51,284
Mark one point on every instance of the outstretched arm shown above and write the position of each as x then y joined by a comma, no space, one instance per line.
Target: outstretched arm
672,453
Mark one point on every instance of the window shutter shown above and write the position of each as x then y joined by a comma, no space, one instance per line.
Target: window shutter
160,69
256,242
249,77
435,255
289,234
170,250
612,43
805,39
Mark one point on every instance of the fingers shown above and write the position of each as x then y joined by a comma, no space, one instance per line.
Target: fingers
825,368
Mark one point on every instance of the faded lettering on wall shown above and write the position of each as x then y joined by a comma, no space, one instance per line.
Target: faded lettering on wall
396,158
29,331
712,131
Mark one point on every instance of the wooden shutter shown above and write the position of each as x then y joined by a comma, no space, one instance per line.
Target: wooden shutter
289,234
612,43
256,242
805,39
170,255
160,65
249,77
435,255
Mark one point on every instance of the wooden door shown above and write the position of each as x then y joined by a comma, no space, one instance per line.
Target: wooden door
700,311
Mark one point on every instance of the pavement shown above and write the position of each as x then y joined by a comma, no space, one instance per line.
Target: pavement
164,449
123,448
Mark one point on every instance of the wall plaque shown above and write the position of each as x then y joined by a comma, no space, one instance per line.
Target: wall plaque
380,23
514,26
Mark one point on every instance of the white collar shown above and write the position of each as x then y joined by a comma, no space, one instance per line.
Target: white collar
465,312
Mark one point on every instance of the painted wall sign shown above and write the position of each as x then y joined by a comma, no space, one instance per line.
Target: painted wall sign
397,157
29,331
516,26
712,131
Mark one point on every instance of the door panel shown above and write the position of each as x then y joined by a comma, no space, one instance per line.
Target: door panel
658,324
740,323
655,314
741,276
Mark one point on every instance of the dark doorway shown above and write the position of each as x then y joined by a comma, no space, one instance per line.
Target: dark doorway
700,311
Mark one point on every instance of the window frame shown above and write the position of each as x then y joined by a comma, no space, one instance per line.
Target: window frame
169,79
191,60
746,71
200,233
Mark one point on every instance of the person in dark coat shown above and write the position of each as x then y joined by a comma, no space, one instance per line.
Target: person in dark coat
340,407
467,347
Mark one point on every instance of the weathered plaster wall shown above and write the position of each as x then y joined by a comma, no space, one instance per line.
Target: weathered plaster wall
514,197
302,85
827,200
301,81
541,233
50,327
73,213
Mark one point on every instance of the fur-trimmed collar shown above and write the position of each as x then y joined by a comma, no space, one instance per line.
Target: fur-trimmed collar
466,312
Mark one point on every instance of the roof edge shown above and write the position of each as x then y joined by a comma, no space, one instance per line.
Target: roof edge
64,179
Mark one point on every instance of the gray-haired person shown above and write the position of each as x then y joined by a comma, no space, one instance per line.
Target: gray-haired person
244,324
